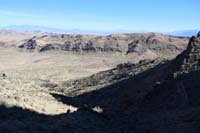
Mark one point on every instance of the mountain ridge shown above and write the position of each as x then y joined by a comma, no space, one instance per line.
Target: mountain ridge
147,44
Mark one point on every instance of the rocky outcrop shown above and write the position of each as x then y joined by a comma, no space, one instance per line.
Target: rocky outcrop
137,47
87,46
51,47
189,60
31,44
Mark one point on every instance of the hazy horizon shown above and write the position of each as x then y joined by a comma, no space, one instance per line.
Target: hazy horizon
102,15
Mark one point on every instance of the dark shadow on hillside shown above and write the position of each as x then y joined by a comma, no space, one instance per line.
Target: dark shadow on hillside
16,119
120,102
67,100
180,93
116,95
114,99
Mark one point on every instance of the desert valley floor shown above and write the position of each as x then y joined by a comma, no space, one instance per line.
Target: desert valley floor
26,71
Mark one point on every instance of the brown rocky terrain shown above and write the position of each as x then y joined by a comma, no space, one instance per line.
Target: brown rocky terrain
149,96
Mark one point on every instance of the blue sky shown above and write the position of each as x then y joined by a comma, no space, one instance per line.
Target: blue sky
103,15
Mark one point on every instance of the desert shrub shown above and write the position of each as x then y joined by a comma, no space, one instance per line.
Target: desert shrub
49,85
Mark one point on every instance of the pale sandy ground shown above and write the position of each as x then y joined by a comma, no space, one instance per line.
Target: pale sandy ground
25,70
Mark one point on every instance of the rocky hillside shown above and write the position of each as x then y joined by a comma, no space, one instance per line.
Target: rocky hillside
181,85
152,96
152,44
97,81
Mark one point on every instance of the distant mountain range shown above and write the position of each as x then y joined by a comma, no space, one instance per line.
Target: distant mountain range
22,28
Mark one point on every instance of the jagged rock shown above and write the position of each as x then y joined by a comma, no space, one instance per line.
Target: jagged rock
189,60
29,45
